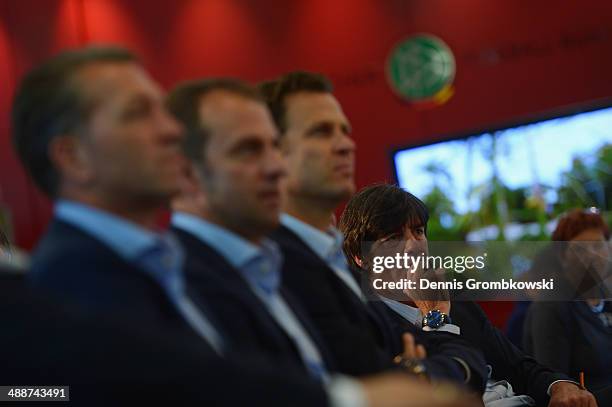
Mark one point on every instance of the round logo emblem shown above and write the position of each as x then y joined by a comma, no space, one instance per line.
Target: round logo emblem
422,69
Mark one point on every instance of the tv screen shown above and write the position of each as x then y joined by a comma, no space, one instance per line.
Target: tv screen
511,183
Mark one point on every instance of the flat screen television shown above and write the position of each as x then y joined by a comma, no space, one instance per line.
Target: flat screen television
511,183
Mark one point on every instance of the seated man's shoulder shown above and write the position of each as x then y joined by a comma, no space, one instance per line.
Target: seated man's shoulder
559,309
67,256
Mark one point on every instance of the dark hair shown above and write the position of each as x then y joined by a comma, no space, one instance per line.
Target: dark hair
276,92
577,221
50,102
184,101
378,211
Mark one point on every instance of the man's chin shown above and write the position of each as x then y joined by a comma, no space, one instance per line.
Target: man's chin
267,223
169,192
162,195
341,193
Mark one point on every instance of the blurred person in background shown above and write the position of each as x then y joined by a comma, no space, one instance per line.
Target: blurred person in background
576,336
5,246
12,257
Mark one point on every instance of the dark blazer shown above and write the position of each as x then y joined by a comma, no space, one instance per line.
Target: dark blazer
362,337
522,371
120,361
75,266
243,316
359,345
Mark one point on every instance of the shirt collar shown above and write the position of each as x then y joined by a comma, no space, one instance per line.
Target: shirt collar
259,265
410,314
126,238
324,244
235,249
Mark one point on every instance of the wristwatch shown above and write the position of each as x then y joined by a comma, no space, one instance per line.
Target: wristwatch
435,319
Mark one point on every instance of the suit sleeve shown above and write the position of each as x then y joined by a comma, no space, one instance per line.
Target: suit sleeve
526,375
444,353
549,338
443,350
353,346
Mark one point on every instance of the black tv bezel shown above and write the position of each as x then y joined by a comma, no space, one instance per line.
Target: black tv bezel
557,113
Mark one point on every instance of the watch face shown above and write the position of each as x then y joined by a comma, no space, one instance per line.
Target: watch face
435,319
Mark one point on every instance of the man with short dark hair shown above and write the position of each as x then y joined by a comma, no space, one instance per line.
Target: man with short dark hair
231,143
315,141
384,211
52,103
91,129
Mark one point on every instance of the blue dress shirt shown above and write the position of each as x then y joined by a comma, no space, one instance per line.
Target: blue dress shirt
158,255
260,266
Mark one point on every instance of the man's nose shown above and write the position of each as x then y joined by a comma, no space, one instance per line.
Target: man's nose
413,245
169,127
274,164
345,144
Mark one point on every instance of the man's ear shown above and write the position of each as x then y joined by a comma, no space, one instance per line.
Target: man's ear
190,179
358,261
192,198
69,156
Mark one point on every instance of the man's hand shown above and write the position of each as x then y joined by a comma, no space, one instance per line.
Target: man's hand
411,349
397,390
428,300
566,394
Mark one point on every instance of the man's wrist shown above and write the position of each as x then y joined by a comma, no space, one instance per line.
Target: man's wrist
552,387
451,328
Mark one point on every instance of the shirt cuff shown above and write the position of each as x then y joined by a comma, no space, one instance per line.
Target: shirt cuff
454,329
466,369
562,380
345,392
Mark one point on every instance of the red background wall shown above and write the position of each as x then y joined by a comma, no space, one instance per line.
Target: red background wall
514,59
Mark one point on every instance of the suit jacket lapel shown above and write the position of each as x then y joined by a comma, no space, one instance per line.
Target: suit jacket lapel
212,267
302,316
374,310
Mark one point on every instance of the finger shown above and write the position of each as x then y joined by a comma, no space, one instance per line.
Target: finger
581,399
588,400
421,353
409,351
584,400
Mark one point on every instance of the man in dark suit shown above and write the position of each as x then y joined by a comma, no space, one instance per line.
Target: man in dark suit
383,212
91,128
315,140
228,257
